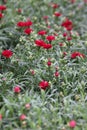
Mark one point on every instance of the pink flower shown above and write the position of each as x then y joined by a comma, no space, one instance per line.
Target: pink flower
17,89
0,117
7,53
19,10
27,106
45,17
73,1
43,85
85,1
50,38
72,124
22,117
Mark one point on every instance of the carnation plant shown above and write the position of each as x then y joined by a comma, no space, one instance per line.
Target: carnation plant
43,65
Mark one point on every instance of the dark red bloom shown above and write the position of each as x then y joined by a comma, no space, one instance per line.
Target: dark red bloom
47,46
77,54
28,23
24,24
72,1
19,10
50,38
2,7
49,63
64,34
7,53
57,14
39,42
45,17
43,85
42,32
67,24
1,15
56,74
28,31
64,54
54,5
69,38
21,24
61,44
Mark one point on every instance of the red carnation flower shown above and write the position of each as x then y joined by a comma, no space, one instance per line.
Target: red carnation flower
67,24
56,74
7,53
28,23
64,34
42,32
72,1
49,63
1,15
17,89
57,14
69,38
50,38
21,24
2,7
54,5
19,10
28,31
47,46
43,85
39,42
77,54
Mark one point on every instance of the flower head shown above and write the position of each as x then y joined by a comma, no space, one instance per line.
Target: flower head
2,7
17,89
72,124
7,53
43,84
22,117
0,117
42,32
28,31
57,14
50,38
77,54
